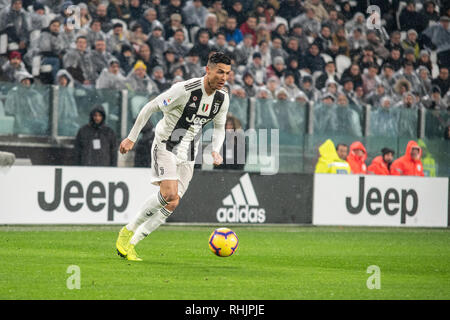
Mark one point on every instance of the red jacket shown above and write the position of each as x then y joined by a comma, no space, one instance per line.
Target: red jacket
378,166
357,164
405,165
245,29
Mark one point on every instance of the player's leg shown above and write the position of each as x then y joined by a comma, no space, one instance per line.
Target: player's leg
164,168
171,190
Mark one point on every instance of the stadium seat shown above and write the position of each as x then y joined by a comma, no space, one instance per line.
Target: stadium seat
326,57
342,63
36,66
402,35
401,6
435,71
3,43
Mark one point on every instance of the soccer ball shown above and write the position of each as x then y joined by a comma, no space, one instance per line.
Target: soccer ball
223,242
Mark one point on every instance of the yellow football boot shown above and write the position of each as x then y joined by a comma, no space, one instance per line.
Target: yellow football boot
123,241
131,254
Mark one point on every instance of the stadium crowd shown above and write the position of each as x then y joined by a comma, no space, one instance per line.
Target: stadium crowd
320,51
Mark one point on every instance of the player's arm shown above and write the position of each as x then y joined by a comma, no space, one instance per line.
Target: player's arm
162,102
219,132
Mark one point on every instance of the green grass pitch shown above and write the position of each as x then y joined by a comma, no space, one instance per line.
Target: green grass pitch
275,262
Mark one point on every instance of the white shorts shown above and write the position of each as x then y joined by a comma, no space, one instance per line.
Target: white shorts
165,166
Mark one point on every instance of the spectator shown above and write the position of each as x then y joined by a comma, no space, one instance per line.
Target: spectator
434,100
116,38
138,80
429,12
211,25
292,66
370,79
15,23
149,20
356,42
100,56
219,11
354,72
340,43
79,64
381,164
438,37
395,42
425,81
374,42
407,72
249,27
319,11
409,164
27,106
257,69
411,19
348,120
237,11
330,73
136,10
233,148
332,160
159,78
66,37
348,90
178,44
101,14
145,55
367,59
373,97
289,84
174,26
193,65
387,78
249,84
442,81
143,154
357,157
221,44
194,14
429,164
137,37
395,59
12,66
312,61
232,32
307,87
277,68
202,46
244,50
411,42
67,106
297,32
119,9
111,77
424,60
95,143
174,6
311,26
358,22
38,19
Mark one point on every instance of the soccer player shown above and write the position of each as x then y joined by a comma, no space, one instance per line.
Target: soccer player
186,106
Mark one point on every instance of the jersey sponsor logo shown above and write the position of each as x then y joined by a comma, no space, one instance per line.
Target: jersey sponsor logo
241,205
197,120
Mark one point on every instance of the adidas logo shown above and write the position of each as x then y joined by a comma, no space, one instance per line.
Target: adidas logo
242,204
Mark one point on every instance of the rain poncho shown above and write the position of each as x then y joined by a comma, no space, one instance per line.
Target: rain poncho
329,161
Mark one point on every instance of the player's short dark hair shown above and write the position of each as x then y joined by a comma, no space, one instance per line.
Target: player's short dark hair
219,57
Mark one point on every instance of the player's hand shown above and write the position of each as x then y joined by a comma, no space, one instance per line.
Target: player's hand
126,145
217,158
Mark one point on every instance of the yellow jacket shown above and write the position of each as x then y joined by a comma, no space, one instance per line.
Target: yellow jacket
329,161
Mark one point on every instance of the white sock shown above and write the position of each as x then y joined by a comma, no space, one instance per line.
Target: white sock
150,207
150,225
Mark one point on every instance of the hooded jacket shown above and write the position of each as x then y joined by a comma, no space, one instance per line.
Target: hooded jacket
405,165
329,161
96,145
378,167
429,164
357,164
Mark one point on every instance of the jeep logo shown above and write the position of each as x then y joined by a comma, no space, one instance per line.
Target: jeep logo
197,120
95,190
392,202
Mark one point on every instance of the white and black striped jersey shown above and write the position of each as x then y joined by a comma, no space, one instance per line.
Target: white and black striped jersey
187,108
